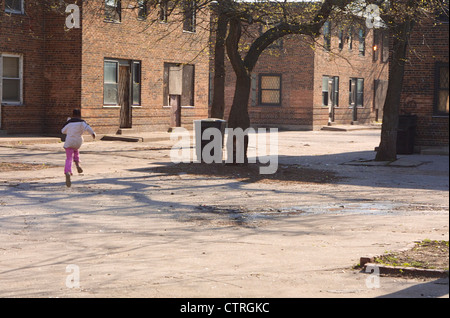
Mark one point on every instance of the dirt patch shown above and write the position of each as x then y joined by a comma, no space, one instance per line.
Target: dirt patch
251,173
17,166
426,254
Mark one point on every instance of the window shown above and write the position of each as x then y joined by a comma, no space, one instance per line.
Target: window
142,9
362,41
325,90
441,89
334,87
386,47
341,39
113,10
179,79
11,79
270,89
376,47
136,83
163,10
350,38
14,6
327,36
111,83
189,22
356,92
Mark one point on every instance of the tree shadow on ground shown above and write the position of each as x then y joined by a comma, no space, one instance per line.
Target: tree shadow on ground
421,172
431,289
248,172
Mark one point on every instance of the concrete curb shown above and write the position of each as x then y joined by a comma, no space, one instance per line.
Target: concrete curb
406,271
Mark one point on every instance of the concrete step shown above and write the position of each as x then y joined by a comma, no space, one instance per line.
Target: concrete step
127,131
122,138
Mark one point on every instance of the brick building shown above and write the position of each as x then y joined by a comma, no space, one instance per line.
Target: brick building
301,84
425,90
125,67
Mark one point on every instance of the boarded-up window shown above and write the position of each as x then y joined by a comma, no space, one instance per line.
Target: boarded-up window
179,80
187,94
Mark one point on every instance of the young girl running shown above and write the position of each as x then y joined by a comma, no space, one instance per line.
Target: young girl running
74,129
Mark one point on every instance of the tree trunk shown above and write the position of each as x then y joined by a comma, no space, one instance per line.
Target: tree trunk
239,117
218,102
387,150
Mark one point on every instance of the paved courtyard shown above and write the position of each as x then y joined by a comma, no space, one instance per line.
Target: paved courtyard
125,229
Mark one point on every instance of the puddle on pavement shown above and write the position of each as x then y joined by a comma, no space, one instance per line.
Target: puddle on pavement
258,216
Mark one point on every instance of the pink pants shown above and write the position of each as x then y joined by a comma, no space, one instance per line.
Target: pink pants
71,155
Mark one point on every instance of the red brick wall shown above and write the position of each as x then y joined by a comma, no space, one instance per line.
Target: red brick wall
294,61
62,70
153,45
23,34
429,44
347,64
302,69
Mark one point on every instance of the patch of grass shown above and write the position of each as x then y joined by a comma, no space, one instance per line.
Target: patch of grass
427,254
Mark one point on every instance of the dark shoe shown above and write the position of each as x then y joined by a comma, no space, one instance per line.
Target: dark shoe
79,169
68,182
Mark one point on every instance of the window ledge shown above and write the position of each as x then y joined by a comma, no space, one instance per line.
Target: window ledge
111,21
188,107
111,106
14,12
12,104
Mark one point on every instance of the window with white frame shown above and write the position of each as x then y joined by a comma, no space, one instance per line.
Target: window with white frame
11,79
111,83
14,6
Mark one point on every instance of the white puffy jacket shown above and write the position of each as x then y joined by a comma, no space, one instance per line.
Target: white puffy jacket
74,129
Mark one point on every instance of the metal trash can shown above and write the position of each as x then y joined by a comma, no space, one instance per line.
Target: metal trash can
406,134
200,126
